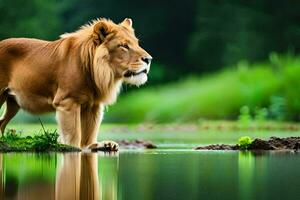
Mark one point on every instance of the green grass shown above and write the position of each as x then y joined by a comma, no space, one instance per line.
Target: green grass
14,141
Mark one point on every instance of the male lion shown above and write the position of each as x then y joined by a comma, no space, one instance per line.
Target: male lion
75,76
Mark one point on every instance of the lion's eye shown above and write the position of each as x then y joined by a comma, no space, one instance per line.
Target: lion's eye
124,46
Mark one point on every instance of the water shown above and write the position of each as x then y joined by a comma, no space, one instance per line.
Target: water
151,174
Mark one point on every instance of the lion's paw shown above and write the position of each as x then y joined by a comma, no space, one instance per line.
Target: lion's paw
104,146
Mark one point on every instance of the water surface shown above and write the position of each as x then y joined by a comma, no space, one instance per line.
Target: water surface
151,174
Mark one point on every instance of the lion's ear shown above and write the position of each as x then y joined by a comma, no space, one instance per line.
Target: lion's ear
101,30
127,22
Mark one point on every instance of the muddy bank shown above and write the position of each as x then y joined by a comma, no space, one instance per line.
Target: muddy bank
124,144
136,144
274,143
13,142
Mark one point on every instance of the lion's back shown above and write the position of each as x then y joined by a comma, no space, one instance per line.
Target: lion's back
11,50
15,49
14,52
18,47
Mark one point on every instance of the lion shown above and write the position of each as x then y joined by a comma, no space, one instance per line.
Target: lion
74,76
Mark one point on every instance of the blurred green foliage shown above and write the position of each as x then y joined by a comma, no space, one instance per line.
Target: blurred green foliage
34,18
228,31
244,117
203,37
266,90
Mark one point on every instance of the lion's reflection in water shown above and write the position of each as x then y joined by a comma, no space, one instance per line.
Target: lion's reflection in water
84,176
79,177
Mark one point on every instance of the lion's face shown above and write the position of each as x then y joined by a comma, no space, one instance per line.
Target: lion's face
129,61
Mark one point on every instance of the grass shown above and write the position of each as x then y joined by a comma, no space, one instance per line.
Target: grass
13,141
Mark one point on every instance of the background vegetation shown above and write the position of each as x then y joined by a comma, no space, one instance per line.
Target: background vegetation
212,59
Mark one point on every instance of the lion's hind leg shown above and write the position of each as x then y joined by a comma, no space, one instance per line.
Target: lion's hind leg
11,110
3,96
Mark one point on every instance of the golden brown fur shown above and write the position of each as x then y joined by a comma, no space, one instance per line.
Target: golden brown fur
75,76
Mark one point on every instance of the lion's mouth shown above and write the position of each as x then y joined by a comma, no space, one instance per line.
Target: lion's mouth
131,73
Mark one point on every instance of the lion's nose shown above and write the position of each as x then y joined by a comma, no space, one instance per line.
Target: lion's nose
147,59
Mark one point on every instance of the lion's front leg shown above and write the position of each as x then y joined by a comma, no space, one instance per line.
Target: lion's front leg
68,117
90,122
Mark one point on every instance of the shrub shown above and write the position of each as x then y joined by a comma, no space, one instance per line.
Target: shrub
244,142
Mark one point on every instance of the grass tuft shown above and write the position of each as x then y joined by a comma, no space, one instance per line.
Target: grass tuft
13,141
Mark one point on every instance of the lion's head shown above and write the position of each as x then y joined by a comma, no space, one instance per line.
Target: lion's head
111,54
118,46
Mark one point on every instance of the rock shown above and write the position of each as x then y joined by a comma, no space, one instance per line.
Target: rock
296,146
274,143
217,147
259,144
285,143
136,144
